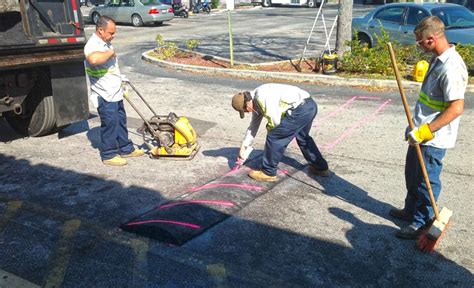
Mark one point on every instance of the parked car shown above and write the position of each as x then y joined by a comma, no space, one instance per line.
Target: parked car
400,19
469,4
136,12
92,2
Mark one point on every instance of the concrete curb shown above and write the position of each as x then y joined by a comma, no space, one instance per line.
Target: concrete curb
293,77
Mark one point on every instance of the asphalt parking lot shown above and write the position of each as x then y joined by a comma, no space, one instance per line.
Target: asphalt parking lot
61,208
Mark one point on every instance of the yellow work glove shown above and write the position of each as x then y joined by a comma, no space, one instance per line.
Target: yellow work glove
420,134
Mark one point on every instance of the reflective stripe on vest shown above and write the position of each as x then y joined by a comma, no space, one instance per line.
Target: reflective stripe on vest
434,104
270,125
96,72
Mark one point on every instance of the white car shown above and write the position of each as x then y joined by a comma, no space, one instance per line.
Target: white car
136,12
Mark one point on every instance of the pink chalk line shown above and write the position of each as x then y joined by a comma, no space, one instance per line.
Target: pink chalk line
189,225
356,126
335,112
216,202
235,185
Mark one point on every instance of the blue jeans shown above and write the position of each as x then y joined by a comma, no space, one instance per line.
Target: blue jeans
417,201
113,129
297,124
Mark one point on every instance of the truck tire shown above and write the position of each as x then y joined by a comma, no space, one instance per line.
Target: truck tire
42,120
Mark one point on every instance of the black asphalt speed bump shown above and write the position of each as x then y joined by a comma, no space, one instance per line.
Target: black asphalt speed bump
200,208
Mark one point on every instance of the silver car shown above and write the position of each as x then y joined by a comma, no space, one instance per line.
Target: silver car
136,12
400,19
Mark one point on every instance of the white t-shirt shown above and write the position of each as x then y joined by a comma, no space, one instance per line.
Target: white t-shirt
105,79
445,81
273,100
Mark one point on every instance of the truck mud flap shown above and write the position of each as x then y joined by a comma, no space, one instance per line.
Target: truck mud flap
69,92
189,215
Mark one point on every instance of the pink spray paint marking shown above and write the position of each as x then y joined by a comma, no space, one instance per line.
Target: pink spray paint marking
335,112
215,202
283,171
357,125
235,185
184,224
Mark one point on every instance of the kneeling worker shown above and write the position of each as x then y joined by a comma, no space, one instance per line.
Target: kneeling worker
290,112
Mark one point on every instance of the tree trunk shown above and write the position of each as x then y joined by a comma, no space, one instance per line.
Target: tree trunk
9,5
344,26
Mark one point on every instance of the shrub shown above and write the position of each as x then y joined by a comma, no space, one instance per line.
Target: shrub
214,4
192,44
376,60
165,49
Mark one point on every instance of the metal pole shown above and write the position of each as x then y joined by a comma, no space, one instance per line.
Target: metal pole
231,44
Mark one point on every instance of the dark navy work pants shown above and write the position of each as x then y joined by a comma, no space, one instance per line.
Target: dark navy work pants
113,129
417,201
296,123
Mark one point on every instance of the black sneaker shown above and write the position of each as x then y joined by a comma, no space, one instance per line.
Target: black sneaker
322,173
401,214
408,232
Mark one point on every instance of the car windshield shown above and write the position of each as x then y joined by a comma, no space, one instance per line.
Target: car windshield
454,17
151,2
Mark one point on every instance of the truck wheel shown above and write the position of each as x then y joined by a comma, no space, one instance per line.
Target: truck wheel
137,20
95,17
266,3
39,118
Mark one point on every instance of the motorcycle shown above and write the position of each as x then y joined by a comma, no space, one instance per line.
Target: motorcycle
204,7
180,10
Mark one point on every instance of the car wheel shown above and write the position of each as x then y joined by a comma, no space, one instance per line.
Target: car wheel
137,20
311,4
95,17
266,3
364,40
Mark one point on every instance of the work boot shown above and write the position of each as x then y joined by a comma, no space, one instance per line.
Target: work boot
401,214
116,161
134,153
317,172
409,232
261,176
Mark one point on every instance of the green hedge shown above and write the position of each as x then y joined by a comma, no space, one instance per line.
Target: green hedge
376,60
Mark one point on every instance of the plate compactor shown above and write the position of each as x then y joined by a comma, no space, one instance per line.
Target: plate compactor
167,137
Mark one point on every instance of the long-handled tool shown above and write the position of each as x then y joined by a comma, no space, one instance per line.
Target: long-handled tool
429,240
298,65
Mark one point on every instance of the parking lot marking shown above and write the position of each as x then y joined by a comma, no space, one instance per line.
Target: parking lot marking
140,250
63,254
357,125
12,208
218,274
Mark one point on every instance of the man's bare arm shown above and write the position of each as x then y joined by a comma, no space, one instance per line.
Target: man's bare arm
99,58
454,109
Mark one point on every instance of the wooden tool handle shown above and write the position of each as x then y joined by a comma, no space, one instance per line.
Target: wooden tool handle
410,122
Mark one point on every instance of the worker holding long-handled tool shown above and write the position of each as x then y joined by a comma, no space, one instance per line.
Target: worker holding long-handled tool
432,131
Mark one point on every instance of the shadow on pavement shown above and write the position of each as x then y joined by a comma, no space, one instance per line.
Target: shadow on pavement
60,227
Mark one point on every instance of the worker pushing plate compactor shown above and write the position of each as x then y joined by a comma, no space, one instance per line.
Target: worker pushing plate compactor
167,137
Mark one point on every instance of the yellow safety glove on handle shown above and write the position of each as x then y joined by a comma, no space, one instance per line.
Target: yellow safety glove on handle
420,134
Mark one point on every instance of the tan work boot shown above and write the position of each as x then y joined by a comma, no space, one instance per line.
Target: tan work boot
134,153
116,161
261,176
322,173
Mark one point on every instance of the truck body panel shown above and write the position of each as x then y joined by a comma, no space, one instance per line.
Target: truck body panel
42,75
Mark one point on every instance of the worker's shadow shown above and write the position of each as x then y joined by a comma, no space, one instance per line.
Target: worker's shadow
231,153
